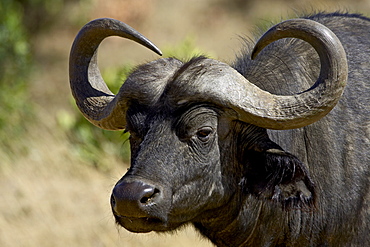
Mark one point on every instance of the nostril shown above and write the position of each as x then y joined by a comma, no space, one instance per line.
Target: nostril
133,199
148,195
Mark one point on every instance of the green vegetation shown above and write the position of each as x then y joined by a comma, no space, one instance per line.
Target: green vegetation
15,64
20,22
184,51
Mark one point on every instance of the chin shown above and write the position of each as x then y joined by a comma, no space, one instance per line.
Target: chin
145,224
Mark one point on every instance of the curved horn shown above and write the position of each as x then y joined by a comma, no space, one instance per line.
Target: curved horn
216,82
96,102
299,110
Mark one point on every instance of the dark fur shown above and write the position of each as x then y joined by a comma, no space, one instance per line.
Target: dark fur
241,185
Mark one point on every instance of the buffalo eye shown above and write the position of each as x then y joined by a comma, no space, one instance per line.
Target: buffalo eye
204,134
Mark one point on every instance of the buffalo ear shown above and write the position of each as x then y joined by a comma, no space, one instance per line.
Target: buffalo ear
281,177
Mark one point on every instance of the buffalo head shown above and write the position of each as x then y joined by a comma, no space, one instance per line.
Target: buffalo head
198,129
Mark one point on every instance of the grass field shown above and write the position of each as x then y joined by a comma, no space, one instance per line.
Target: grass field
52,196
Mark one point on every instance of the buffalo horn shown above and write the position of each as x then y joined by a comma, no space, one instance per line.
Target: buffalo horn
215,82
96,102
294,111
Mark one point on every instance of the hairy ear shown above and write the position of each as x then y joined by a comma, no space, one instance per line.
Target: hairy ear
281,177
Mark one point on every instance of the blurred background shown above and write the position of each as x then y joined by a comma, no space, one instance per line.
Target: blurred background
56,169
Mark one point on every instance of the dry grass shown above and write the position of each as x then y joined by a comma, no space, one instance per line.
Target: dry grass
49,197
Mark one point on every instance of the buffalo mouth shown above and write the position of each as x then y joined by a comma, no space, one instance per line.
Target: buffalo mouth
144,224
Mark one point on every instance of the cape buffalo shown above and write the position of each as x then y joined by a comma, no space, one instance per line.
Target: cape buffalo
272,150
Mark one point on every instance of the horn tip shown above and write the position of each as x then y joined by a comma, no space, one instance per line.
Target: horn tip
159,52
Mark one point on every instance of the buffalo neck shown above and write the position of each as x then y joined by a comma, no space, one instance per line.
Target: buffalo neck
234,224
